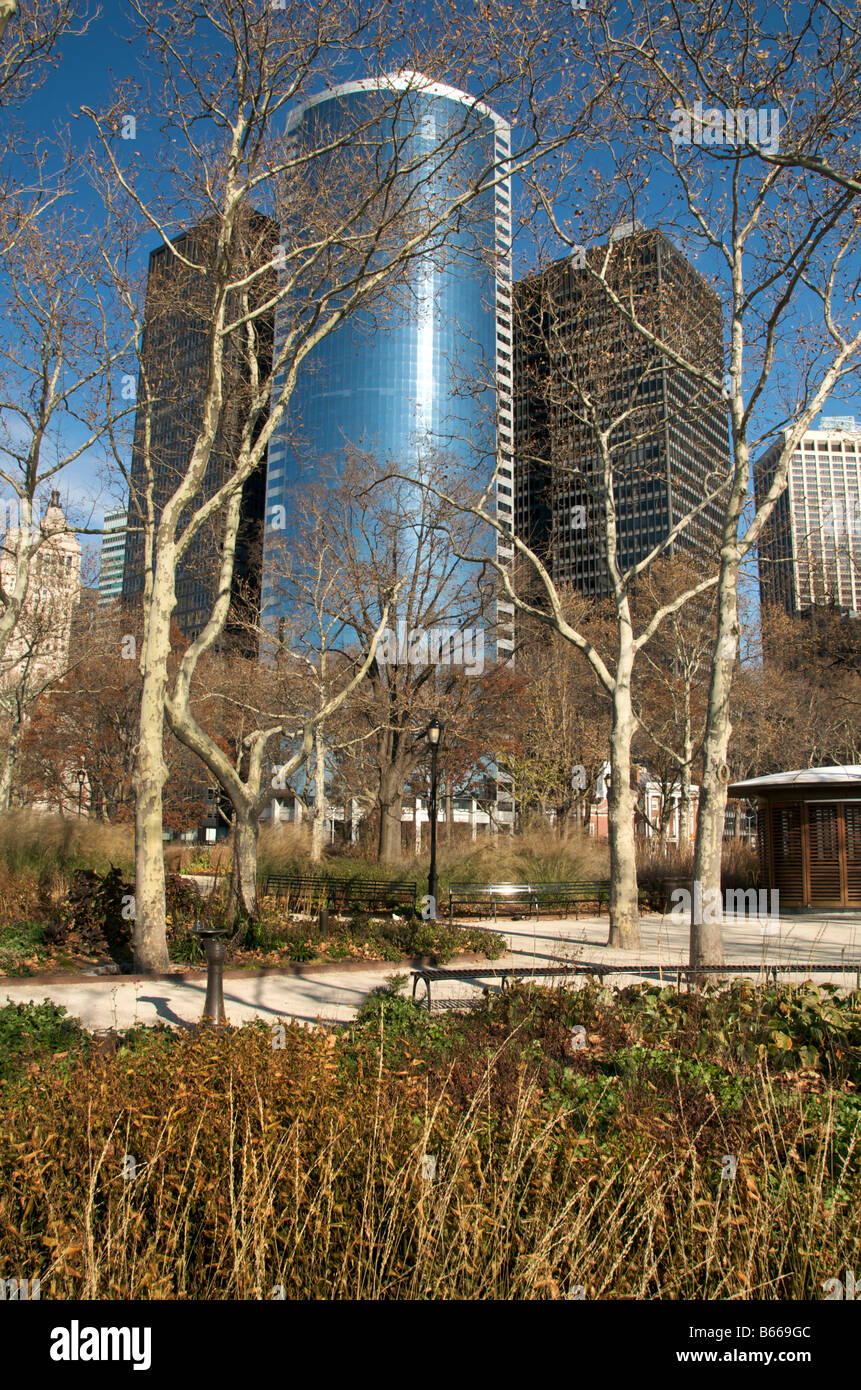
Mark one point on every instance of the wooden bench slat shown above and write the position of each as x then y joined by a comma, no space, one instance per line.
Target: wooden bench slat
565,894
340,892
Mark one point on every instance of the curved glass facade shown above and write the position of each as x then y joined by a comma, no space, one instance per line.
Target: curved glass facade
423,380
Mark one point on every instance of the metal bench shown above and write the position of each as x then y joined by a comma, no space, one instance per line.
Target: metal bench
568,970
535,896
338,894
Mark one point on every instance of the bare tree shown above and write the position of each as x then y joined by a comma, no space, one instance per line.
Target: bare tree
749,134
595,394
58,339
751,124
670,692
354,214
384,530
28,47
245,778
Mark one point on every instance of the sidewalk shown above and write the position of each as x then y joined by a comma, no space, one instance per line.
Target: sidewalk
332,993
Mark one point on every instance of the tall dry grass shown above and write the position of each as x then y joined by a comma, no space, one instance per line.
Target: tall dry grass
259,1168
536,855
658,862
43,843
40,854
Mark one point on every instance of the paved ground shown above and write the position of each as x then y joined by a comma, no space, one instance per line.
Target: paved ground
332,993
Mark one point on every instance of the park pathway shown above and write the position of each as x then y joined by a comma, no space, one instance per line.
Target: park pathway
331,993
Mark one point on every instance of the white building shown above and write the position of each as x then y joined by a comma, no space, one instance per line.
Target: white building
810,551
38,650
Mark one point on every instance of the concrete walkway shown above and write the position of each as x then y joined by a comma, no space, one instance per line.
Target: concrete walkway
332,993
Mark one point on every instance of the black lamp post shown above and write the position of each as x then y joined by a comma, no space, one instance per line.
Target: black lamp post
434,734
213,943
82,777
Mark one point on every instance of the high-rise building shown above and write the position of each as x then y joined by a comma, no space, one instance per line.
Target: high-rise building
173,373
113,556
424,380
580,365
38,650
810,549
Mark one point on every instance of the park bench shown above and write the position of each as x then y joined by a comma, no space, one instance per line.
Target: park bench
533,896
337,895
568,970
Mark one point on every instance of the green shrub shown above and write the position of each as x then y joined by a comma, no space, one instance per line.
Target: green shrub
32,1032
22,948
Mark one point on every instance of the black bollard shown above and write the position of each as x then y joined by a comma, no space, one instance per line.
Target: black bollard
214,1015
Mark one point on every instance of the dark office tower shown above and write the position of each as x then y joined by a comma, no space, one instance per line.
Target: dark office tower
581,367
173,378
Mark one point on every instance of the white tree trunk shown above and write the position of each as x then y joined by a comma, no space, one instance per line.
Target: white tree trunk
243,877
318,828
150,937
707,936
10,760
621,801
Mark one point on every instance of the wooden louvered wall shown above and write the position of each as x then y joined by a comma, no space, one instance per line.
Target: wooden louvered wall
824,832
853,854
813,854
785,846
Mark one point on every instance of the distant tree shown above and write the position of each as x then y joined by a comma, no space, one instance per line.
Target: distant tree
84,721
561,720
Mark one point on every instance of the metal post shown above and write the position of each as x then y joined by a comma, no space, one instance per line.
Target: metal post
214,1015
433,880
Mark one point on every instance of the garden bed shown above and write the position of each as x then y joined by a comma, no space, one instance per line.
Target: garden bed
627,1144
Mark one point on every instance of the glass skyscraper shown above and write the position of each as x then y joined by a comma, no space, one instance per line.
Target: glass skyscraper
426,376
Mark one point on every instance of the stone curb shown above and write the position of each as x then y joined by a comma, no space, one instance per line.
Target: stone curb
300,968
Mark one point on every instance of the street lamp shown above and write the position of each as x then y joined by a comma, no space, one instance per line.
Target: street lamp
82,777
434,734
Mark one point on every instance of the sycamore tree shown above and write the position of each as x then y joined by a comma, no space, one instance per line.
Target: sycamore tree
35,169
593,399
280,723
670,691
59,339
746,120
731,132
294,226
30,31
